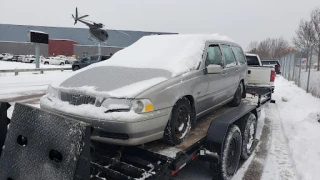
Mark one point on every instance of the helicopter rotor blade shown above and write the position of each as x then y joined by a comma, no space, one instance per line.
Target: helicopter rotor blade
82,17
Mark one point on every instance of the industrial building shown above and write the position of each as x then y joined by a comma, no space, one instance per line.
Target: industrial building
64,40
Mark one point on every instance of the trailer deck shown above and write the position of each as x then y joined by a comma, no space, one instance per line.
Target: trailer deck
196,133
154,160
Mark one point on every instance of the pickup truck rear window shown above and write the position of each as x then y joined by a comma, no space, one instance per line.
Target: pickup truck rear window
270,62
252,61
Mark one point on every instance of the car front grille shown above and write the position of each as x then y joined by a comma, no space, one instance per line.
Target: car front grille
77,99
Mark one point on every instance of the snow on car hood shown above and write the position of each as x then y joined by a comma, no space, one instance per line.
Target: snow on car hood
175,53
111,81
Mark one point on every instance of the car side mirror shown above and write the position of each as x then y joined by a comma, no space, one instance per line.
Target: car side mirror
214,69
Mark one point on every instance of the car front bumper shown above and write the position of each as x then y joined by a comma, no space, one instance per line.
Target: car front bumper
138,130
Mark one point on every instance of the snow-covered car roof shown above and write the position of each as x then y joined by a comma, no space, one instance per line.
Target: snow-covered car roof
175,53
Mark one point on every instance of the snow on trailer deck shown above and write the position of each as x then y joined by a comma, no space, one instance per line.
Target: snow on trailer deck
196,134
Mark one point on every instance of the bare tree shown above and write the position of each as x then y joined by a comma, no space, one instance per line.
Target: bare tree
270,48
315,19
305,36
253,47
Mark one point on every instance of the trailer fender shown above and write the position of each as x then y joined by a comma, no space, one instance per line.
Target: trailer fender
219,127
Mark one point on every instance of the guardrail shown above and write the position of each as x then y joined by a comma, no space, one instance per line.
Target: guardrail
41,70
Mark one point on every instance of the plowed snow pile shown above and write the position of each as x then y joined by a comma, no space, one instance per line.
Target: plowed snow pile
300,113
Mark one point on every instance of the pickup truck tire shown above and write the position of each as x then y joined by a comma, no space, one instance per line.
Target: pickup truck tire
46,62
179,123
236,101
62,64
249,126
74,68
230,157
31,61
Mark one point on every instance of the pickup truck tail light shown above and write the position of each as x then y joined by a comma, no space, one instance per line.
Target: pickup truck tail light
278,68
272,76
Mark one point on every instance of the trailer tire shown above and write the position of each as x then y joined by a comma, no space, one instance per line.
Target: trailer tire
179,123
236,101
229,159
249,134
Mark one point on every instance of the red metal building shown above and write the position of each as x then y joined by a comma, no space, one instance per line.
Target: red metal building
61,47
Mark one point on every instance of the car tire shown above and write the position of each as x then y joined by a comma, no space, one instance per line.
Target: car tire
62,64
236,101
230,156
46,63
31,61
179,124
74,68
249,134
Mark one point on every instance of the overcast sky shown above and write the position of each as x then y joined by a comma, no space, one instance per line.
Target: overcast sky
241,20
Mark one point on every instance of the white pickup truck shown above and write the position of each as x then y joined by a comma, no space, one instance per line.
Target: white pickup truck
259,75
53,61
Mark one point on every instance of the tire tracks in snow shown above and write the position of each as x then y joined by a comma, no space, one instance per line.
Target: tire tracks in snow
272,158
279,163
255,169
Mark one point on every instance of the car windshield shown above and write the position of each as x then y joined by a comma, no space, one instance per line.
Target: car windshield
252,61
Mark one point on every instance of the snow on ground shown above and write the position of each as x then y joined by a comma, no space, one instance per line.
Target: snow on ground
296,151
314,84
19,65
27,82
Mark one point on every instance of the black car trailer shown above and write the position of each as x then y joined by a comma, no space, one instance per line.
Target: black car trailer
43,145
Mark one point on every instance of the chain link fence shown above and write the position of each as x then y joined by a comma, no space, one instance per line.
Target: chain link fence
303,70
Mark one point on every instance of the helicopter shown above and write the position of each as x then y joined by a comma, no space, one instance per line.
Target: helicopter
95,29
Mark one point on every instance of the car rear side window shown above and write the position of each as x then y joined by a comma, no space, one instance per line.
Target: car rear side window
239,55
228,55
214,55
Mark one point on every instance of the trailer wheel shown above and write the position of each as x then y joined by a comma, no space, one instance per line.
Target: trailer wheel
179,124
249,134
236,101
230,157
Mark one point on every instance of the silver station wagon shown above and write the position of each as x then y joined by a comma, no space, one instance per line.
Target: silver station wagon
154,89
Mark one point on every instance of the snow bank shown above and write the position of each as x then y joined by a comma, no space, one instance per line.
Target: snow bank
19,65
300,115
175,53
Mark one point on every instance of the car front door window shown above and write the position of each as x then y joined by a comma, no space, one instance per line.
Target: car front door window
214,55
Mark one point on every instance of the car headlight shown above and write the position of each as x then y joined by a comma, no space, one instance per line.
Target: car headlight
51,91
142,106
116,104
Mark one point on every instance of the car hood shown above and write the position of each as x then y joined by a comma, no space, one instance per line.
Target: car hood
113,81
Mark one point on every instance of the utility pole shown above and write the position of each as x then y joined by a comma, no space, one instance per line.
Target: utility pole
37,55
309,70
